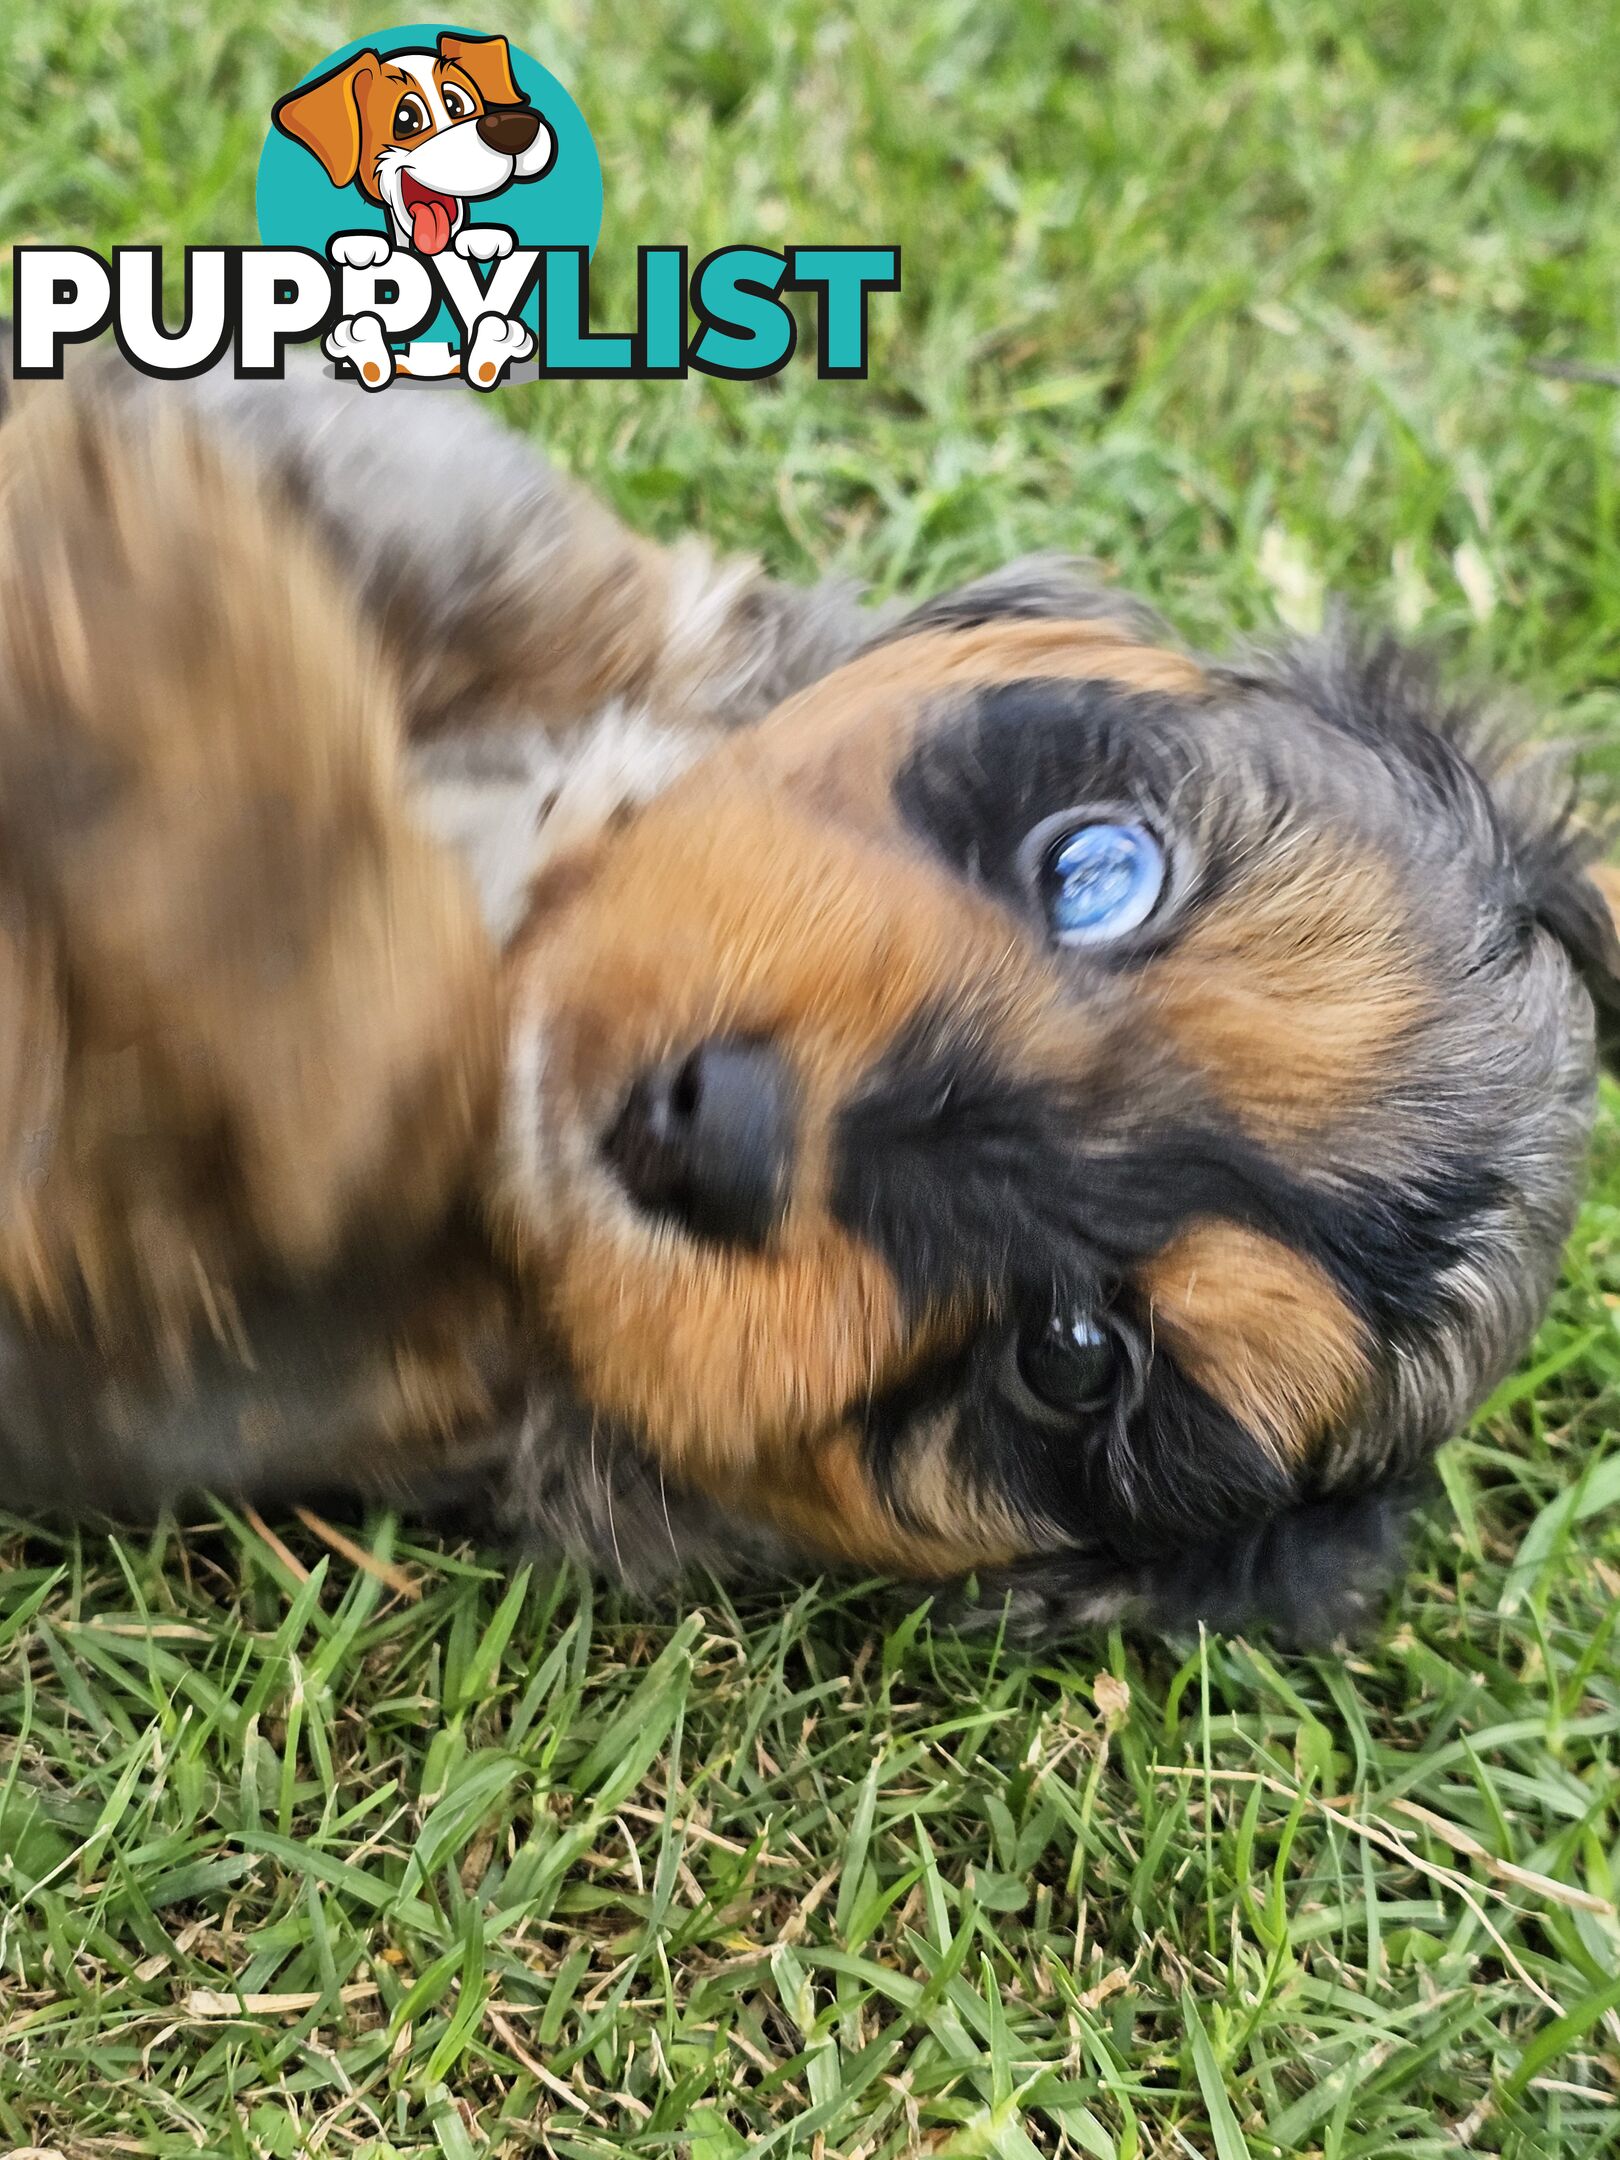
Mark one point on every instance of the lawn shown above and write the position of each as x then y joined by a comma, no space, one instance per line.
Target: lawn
304,1855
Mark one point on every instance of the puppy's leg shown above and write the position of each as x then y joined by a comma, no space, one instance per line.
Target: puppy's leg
501,586
279,997
31,1060
535,601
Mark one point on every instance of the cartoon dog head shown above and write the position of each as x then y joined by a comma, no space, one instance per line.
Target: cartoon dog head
422,133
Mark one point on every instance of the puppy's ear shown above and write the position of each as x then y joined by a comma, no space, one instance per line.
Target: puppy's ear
1554,816
1580,905
488,61
325,116
1053,588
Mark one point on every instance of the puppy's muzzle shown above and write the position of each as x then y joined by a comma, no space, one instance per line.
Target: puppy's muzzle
707,1141
509,132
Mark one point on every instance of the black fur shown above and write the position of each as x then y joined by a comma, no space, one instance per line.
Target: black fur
974,1181
1022,751
1310,1574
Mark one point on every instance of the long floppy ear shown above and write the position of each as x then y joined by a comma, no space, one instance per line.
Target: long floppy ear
1580,905
1555,813
325,116
1560,816
488,60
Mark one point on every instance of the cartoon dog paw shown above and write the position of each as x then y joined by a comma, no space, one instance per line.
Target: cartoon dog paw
484,243
359,340
360,250
496,343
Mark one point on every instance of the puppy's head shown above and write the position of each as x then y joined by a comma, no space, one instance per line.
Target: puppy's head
422,132
1044,1103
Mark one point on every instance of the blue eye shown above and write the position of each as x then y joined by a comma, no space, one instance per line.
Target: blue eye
1099,881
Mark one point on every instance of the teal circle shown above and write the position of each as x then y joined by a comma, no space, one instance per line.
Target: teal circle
297,205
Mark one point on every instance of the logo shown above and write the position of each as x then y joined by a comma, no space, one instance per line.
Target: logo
429,199
420,145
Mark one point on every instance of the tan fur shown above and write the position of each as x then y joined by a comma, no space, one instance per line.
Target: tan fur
31,1056
437,1383
1261,1329
1606,877
1295,991
282,999
976,1523
728,1356
722,1361
1004,651
828,1501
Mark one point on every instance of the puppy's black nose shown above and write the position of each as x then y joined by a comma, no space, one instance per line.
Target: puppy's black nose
708,1139
511,130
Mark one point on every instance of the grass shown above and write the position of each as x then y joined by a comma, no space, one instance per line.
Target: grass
1240,297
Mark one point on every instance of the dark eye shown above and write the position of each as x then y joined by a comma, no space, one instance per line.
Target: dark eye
1099,881
456,102
1069,1363
410,118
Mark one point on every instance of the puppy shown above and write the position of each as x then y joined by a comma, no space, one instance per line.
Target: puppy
1041,1104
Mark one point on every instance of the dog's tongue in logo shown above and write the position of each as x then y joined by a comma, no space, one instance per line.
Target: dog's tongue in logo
431,215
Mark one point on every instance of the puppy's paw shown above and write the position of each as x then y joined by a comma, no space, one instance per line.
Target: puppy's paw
496,344
484,243
360,250
359,340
